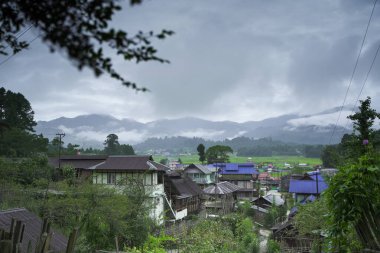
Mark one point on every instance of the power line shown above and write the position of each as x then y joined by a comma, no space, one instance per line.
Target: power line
365,80
9,57
21,34
61,135
353,72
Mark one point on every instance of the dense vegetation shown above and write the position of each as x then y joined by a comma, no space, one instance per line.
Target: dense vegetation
346,214
242,146
98,211
16,127
352,200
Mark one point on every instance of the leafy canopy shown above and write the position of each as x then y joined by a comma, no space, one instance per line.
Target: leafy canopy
16,128
353,195
15,110
201,153
218,153
81,30
113,147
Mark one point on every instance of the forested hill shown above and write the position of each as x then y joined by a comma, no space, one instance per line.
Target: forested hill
243,146
91,130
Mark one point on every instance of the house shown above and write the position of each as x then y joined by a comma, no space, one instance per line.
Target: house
270,199
183,195
200,174
263,204
140,168
221,198
173,165
264,177
32,231
244,175
312,183
81,163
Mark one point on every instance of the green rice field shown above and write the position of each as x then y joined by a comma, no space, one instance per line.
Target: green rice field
277,161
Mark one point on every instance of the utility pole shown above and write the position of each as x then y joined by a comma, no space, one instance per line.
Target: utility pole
61,135
316,177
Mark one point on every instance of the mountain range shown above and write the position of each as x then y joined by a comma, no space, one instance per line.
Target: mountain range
91,130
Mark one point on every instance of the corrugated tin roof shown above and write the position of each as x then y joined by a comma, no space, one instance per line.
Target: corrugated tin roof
221,188
160,166
184,187
131,163
236,177
314,174
274,199
83,157
306,186
33,225
231,167
77,161
200,167
237,168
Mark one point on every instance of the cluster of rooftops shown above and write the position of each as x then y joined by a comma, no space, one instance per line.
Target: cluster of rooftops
223,181
310,183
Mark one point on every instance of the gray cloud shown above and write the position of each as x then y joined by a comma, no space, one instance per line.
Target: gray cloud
240,61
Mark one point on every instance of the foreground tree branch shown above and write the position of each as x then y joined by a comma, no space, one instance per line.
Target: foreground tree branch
81,30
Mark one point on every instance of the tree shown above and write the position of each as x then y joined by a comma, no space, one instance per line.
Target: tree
218,153
81,29
113,147
111,144
126,149
352,197
201,153
249,242
363,121
26,172
164,161
71,149
16,135
210,236
353,146
330,156
314,151
15,110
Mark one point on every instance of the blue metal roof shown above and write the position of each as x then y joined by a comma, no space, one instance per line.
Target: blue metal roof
306,186
310,198
237,168
293,211
315,174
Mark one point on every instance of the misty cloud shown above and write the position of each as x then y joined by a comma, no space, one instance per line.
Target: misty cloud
230,60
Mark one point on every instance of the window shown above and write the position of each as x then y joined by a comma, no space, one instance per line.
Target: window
158,178
111,178
148,179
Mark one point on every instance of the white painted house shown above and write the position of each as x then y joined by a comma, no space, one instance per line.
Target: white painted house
142,168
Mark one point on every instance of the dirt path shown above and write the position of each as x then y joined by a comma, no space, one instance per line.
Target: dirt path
264,234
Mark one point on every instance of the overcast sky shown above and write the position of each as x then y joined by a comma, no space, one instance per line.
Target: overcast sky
235,60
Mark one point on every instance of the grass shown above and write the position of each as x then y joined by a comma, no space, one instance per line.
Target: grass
277,161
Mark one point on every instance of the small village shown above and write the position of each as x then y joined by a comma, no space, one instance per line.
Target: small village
180,191
112,202
183,126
